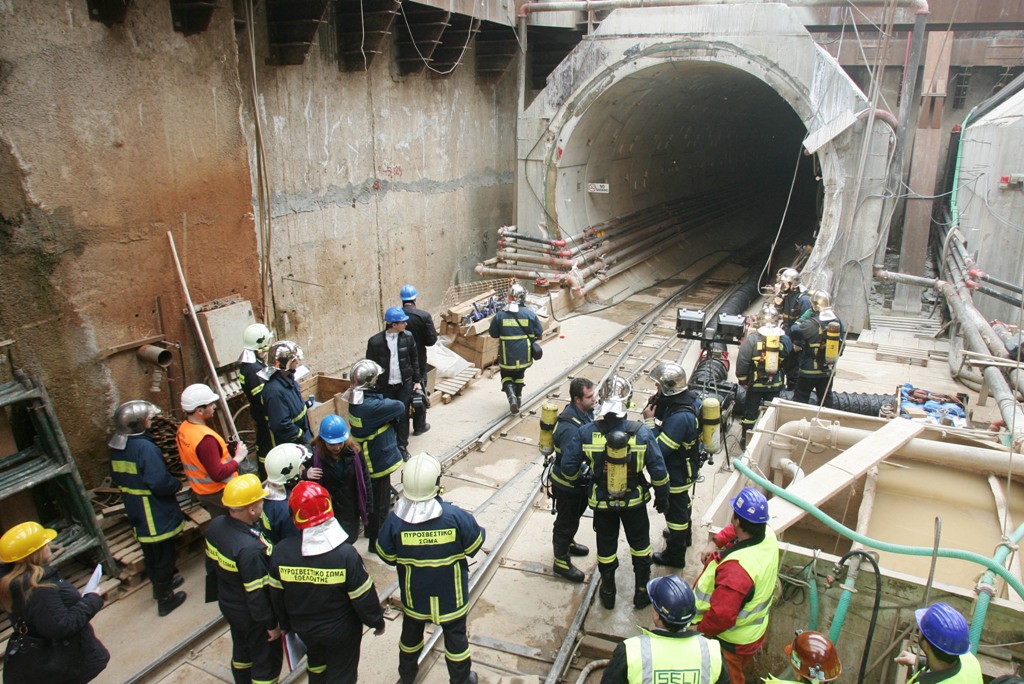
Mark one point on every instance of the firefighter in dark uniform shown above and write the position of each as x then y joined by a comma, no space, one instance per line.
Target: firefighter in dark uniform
421,325
429,540
676,653
150,502
394,350
238,556
570,495
819,339
516,327
759,365
286,463
255,343
321,590
371,416
282,399
677,409
617,451
792,302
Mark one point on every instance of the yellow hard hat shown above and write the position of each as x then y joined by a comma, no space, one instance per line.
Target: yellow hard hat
24,539
243,491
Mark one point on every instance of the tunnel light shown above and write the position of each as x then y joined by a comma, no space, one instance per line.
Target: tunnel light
690,324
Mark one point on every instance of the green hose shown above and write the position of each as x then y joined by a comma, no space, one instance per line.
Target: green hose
812,590
840,616
986,587
836,526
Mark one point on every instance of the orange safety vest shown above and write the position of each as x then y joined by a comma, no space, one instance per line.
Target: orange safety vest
189,437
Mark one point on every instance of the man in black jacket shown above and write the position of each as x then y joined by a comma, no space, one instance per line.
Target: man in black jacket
421,325
238,557
394,350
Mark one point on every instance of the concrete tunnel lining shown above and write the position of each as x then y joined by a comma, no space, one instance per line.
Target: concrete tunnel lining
681,128
668,102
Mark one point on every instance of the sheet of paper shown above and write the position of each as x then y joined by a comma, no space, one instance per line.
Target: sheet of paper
294,649
94,581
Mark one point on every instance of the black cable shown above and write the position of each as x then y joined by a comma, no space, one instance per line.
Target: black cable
874,610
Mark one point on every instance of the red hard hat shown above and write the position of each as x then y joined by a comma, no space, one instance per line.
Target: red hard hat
812,655
310,505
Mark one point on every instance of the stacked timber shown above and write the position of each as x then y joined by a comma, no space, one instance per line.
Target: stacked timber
467,323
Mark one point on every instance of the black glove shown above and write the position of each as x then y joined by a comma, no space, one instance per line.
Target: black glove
232,446
661,503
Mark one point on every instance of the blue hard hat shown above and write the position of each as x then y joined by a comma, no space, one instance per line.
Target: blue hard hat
395,315
750,505
944,628
333,429
673,599
408,293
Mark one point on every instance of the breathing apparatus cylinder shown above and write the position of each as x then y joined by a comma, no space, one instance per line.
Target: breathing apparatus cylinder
711,420
832,342
548,416
771,354
616,464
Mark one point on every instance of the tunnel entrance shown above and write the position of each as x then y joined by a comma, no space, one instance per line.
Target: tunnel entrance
704,128
699,139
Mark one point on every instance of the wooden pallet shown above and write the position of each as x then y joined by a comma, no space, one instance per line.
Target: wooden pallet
914,357
447,388
917,327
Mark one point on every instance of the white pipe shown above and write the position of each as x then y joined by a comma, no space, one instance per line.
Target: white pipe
225,411
919,6
795,472
835,436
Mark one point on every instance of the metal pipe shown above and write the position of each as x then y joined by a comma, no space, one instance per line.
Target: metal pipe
515,272
598,5
514,257
978,273
974,327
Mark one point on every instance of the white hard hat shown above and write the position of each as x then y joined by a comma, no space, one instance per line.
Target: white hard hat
197,395
421,478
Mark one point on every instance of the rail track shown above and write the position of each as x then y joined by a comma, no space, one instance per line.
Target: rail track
524,622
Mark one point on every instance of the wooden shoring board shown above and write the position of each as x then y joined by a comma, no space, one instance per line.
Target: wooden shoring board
842,471
914,357
447,388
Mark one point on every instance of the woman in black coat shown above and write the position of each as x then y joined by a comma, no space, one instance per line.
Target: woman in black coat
338,466
53,641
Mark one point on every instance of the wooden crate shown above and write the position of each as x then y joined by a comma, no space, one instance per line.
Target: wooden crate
326,391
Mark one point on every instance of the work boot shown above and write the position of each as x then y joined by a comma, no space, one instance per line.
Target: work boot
513,400
170,601
665,558
176,582
563,567
640,597
472,678
425,428
578,549
607,591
